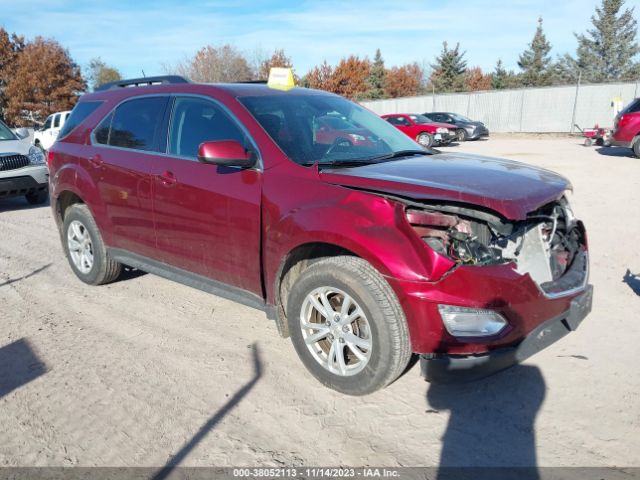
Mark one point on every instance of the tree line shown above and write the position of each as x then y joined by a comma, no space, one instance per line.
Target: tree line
39,77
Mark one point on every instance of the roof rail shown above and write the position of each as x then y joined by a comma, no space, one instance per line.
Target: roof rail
144,81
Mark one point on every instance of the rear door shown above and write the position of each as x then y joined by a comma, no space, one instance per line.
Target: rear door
127,143
207,216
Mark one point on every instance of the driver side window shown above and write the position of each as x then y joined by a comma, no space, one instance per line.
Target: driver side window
196,120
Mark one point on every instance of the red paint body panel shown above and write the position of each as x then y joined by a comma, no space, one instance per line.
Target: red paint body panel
627,124
237,226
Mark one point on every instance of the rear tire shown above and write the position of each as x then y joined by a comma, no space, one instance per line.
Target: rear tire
37,198
362,343
85,249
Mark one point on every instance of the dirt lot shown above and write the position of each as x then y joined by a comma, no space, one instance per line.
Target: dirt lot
146,371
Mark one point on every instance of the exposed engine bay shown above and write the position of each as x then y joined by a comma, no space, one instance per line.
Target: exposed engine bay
544,245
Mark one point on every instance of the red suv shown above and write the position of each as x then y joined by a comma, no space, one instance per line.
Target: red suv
626,131
362,253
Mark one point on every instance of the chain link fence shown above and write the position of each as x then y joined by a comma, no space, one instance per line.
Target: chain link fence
543,110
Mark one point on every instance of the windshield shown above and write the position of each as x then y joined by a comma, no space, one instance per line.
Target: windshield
460,118
327,129
6,133
420,119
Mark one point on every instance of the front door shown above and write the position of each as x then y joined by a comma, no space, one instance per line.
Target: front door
207,216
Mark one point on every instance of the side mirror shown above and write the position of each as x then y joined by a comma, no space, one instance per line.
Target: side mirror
229,153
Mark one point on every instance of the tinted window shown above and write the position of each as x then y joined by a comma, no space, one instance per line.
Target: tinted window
136,123
195,121
56,121
397,121
47,123
81,111
101,132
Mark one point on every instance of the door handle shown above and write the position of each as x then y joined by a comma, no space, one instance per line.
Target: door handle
96,160
168,179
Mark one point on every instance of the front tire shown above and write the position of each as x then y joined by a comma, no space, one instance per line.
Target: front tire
636,146
461,135
425,139
347,325
85,249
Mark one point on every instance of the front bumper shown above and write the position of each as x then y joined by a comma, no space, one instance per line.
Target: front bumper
479,133
22,185
460,368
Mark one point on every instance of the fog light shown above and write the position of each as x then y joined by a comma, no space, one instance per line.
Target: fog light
471,322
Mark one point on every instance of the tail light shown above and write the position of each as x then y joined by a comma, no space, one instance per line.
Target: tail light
50,156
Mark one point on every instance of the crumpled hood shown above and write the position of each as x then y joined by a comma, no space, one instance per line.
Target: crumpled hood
15,146
510,188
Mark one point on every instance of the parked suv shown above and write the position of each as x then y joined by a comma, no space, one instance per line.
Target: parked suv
362,253
23,171
626,132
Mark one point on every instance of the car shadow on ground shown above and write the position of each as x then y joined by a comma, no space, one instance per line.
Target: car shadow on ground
19,203
491,424
633,281
35,272
615,152
18,366
214,420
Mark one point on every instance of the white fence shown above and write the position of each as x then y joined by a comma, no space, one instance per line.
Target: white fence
547,109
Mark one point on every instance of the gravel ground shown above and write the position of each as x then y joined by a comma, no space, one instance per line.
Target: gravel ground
145,372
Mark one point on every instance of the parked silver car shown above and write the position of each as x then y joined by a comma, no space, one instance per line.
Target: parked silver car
23,168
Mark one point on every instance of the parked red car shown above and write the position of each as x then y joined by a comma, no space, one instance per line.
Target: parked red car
332,128
423,130
626,131
362,253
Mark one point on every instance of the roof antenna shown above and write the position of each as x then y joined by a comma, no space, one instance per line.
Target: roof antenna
143,73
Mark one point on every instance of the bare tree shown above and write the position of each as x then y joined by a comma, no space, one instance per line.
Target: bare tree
214,64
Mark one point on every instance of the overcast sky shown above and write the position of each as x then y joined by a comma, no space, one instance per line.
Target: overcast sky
136,35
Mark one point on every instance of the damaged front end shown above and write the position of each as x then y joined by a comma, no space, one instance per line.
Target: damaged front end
549,245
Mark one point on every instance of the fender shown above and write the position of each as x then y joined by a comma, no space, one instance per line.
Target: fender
373,228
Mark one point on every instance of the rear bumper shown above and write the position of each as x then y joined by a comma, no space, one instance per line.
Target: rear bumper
460,368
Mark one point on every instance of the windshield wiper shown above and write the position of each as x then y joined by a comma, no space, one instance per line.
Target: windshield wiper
398,154
340,163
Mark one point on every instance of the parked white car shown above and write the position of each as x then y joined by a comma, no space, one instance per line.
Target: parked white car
23,168
46,135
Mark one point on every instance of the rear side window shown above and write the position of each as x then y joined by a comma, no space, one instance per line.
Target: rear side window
134,124
56,121
79,113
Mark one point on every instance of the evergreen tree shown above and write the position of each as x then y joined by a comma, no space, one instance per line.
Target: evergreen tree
535,61
607,51
449,69
499,76
376,80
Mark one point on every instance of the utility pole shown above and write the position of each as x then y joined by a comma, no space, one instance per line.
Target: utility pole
575,103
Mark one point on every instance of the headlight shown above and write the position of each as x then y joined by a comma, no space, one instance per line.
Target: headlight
442,130
471,322
36,155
